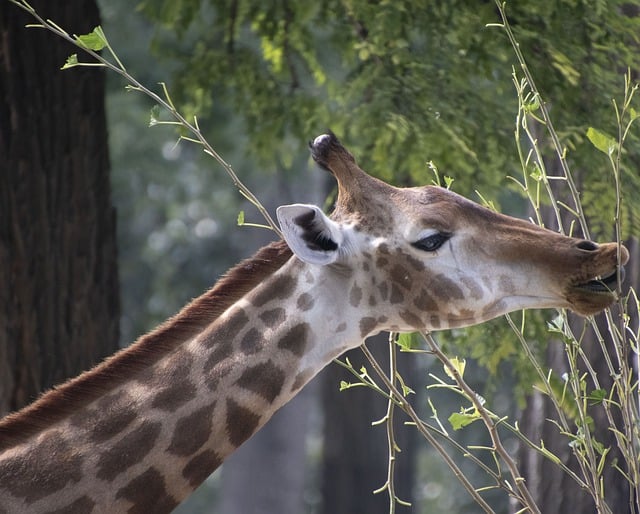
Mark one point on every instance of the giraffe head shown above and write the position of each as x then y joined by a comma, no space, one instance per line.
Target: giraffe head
425,258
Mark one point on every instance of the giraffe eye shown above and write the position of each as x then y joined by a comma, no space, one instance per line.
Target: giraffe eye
432,243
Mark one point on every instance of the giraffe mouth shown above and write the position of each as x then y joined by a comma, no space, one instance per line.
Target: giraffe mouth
590,297
607,284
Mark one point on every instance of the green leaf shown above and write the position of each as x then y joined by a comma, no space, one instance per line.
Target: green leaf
603,142
241,218
597,396
458,364
72,61
409,341
460,420
154,115
95,40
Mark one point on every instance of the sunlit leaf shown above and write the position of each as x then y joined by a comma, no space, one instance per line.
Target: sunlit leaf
72,61
95,40
603,142
460,420
458,364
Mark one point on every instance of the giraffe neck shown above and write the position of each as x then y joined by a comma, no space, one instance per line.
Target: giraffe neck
166,423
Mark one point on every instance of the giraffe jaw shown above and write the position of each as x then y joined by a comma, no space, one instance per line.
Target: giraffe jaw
590,297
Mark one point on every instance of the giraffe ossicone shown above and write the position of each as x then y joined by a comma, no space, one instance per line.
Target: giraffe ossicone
140,431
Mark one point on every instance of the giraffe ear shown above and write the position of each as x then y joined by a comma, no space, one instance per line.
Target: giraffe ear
310,234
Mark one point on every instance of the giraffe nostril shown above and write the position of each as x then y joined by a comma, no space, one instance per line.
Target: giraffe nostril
588,246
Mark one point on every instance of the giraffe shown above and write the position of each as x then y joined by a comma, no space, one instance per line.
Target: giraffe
140,431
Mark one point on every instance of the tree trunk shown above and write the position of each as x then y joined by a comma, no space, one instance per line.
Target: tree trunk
355,453
59,304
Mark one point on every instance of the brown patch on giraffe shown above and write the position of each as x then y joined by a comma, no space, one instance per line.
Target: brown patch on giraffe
241,423
425,302
111,415
172,397
200,467
412,320
506,284
464,315
397,296
252,342
148,493
355,296
445,288
130,450
273,317
192,431
265,379
382,262
341,327
301,379
434,321
214,374
71,397
372,301
280,288
171,380
416,264
367,325
295,340
235,322
305,302
399,275
82,504
384,290
35,475
474,288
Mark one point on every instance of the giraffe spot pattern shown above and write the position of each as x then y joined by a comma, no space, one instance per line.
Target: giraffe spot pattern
399,275
273,317
35,475
425,302
474,288
397,296
112,414
241,422
215,373
281,288
305,302
148,493
172,382
82,504
301,379
341,327
200,467
367,325
174,396
355,296
411,319
234,323
265,379
252,342
130,450
295,340
192,431
445,288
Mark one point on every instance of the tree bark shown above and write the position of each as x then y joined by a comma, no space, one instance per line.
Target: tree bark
59,305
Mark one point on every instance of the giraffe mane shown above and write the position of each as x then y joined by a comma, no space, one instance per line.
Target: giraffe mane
59,402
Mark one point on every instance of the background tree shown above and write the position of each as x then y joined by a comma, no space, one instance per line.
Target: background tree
59,304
